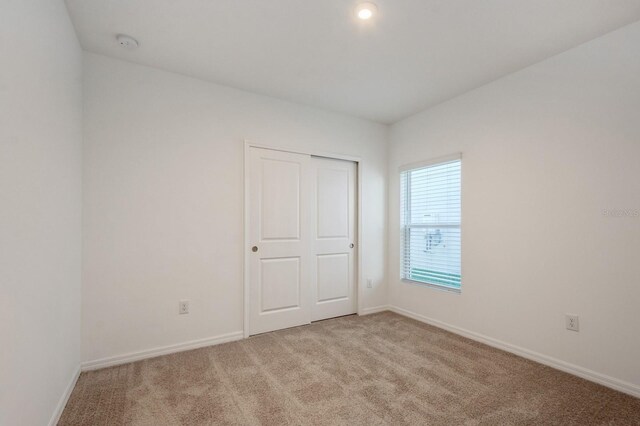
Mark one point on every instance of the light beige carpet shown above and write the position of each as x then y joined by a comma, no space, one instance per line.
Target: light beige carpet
372,370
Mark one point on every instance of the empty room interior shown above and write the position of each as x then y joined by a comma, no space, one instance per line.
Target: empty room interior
336,212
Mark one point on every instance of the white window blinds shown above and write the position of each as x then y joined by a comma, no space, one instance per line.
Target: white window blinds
430,215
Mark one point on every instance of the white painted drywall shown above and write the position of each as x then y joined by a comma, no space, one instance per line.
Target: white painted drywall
545,151
413,54
163,201
40,208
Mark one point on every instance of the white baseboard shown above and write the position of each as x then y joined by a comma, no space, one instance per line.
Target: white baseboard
373,310
608,381
164,350
64,398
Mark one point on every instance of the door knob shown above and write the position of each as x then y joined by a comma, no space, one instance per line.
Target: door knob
351,245
254,249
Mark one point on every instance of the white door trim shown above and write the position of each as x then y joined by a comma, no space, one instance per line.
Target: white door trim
247,244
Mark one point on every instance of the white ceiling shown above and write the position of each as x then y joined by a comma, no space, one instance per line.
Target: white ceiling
415,54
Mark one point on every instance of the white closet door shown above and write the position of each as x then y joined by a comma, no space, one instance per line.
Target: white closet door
333,214
280,238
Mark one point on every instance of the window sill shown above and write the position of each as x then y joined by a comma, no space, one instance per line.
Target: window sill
433,286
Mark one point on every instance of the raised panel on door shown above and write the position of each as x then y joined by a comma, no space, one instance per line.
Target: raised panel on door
333,216
279,284
333,277
280,236
333,202
280,200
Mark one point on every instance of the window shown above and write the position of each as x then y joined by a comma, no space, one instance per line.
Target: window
430,216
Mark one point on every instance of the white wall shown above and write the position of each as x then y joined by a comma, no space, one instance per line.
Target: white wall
40,208
163,201
545,151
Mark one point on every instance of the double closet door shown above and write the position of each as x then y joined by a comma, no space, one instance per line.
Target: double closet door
302,225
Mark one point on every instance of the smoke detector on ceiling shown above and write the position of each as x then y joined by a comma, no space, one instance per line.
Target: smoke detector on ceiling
126,41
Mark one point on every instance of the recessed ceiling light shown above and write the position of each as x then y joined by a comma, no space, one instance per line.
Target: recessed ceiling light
126,41
366,10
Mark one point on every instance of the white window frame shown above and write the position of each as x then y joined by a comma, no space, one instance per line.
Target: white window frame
406,228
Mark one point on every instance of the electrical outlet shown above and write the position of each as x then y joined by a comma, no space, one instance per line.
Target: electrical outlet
183,307
369,283
572,322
